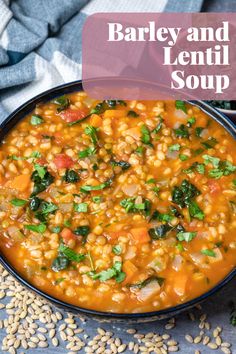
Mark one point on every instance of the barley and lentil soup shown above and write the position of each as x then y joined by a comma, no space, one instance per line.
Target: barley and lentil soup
119,206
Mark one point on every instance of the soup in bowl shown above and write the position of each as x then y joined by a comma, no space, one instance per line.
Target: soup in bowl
119,206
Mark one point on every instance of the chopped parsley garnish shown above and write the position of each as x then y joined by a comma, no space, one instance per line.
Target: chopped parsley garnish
209,253
130,206
161,217
139,150
18,202
182,131
211,159
198,131
191,121
40,228
186,236
88,188
63,102
36,119
159,126
181,105
175,147
209,143
151,181
41,178
97,199
196,166
114,272
183,157
70,254
117,249
91,150
92,132
81,207
145,135
71,176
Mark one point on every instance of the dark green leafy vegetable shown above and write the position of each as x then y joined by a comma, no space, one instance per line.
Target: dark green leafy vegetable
71,176
195,211
139,150
198,131
82,230
41,178
161,217
36,119
63,102
160,231
132,114
45,208
209,143
113,272
123,164
97,199
34,203
147,281
186,236
183,194
175,212
40,228
181,105
60,263
18,202
224,168
131,206
183,157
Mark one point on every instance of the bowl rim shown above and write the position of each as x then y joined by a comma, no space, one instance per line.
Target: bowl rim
70,87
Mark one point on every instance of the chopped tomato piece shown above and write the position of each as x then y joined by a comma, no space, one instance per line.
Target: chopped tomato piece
71,115
214,187
140,235
63,161
67,235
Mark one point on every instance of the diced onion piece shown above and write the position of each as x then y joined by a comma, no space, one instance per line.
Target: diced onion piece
15,234
149,290
199,259
180,114
177,262
65,207
130,189
158,264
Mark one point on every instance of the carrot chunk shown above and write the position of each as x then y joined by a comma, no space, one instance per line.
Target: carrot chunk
96,121
114,113
67,235
140,235
21,182
130,270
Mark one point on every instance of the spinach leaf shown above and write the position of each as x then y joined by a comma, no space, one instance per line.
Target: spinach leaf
123,164
132,114
34,203
71,176
209,143
147,281
60,263
41,178
183,194
160,231
70,254
161,217
131,206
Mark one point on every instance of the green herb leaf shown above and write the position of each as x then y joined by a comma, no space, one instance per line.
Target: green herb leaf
114,272
209,143
97,199
36,120
92,132
70,254
40,228
60,263
183,194
99,187
117,250
142,284
63,102
123,164
210,159
209,253
181,105
186,236
182,131
198,131
18,202
183,157
91,150
175,147
191,121
139,150
131,206
195,211
146,135
81,207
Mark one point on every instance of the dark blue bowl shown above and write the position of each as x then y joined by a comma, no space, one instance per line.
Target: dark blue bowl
19,114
